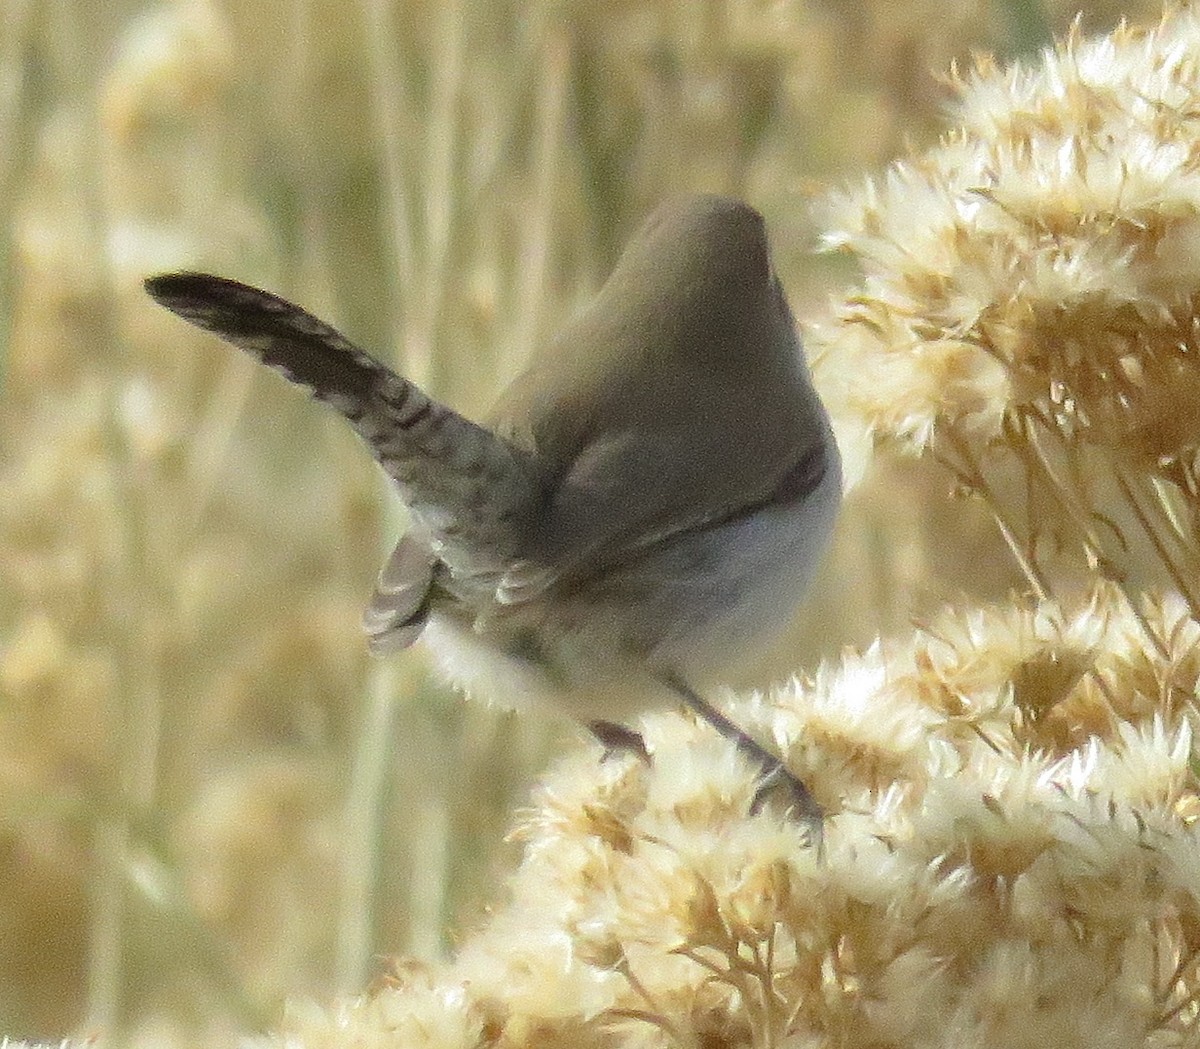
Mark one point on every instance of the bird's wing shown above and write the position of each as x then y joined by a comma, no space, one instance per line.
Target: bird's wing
613,509
470,490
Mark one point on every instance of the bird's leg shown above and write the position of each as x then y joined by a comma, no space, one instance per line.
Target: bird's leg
618,739
775,773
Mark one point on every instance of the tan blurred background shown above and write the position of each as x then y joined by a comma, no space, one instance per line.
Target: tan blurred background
210,800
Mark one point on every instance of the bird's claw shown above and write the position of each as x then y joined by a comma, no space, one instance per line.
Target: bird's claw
778,780
618,739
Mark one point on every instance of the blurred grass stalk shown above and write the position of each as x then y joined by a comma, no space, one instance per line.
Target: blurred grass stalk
14,131
124,807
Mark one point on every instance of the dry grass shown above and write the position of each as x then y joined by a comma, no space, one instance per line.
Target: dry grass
209,799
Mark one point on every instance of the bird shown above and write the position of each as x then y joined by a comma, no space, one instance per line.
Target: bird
644,506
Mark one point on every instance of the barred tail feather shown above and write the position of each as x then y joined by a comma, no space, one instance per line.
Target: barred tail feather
293,342
468,484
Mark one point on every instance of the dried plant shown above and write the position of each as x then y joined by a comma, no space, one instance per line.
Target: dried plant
1028,309
1011,855
210,799
1009,859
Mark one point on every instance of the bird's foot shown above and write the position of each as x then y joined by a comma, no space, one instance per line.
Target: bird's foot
618,739
777,779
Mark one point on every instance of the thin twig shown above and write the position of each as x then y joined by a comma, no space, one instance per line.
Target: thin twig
1177,575
974,479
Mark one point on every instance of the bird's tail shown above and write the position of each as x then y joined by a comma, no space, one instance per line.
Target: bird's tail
467,485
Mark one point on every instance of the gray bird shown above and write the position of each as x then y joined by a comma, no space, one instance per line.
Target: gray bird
644,507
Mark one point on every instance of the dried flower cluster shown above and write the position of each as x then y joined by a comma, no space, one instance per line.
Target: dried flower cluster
1030,301
1010,858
